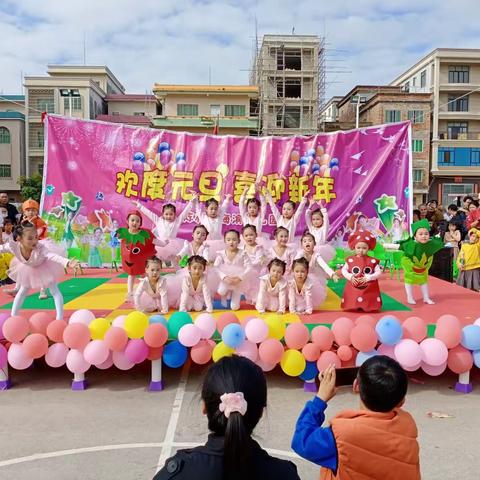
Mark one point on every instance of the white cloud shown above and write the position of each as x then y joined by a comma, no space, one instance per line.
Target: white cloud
176,41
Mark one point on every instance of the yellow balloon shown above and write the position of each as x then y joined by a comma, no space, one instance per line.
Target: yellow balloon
222,169
293,363
135,324
98,328
221,350
276,326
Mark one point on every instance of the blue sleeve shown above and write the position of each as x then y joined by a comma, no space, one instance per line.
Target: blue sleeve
310,440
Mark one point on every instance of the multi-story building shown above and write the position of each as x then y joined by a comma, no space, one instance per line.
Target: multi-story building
452,79
198,108
131,109
329,113
77,91
12,142
290,71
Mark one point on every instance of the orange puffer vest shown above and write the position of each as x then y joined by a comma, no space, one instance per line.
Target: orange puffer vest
375,446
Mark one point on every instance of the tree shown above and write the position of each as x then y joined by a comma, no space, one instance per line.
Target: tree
31,187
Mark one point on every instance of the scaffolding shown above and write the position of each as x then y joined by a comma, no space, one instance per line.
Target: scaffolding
290,73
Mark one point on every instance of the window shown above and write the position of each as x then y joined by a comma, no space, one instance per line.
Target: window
187,110
475,157
139,114
5,171
46,105
115,113
392,116
76,103
415,116
417,146
291,118
423,79
445,156
4,135
452,191
457,130
234,110
414,81
458,104
40,168
417,175
40,143
458,74
215,110
406,87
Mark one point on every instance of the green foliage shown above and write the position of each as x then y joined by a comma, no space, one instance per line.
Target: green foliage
31,187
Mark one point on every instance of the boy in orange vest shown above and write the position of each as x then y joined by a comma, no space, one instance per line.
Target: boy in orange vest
378,441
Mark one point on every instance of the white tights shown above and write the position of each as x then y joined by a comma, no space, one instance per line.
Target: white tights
23,292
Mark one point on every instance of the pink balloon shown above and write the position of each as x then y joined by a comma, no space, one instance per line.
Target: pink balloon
201,353
76,336
256,330
326,359
344,353
271,351
189,335
266,367
449,330
76,362
15,329
476,322
434,352
311,352
323,337
249,350
363,337
412,368
207,325
39,322
3,319
387,350
56,355
414,328
119,321
225,319
82,316
155,335
246,319
55,330
366,319
96,352
107,363
17,358
116,339
35,345
460,360
3,356
136,350
121,361
433,370
296,335
342,328
408,353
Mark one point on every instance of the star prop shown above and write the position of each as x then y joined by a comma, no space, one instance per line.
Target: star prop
386,202
71,201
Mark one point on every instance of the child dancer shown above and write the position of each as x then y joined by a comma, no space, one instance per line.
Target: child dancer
252,211
453,237
7,234
234,269
468,262
151,292
300,288
417,260
272,293
197,246
35,267
362,291
136,246
195,294
288,218
318,224
167,226
257,256
114,242
280,249
94,259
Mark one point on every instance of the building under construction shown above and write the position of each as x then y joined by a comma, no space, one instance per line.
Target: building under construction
290,71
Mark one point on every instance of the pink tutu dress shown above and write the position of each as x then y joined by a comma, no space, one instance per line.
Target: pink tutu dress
146,299
320,233
272,299
192,299
187,250
300,301
257,221
287,257
42,269
258,258
164,230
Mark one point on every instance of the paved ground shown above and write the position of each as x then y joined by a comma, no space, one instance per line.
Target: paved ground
117,430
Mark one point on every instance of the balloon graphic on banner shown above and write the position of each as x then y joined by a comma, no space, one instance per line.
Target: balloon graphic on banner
163,147
138,157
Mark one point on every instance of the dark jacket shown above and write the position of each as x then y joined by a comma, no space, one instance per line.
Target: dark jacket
206,463
12,212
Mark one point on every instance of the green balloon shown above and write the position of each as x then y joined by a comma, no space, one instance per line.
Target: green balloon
176,322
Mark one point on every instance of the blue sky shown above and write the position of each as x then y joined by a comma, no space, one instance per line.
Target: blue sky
178,41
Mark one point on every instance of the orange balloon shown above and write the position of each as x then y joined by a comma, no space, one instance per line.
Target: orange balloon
55,330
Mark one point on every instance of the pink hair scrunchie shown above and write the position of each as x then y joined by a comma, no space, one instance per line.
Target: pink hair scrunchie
232,402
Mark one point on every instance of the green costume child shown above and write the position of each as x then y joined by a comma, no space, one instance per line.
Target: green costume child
418,257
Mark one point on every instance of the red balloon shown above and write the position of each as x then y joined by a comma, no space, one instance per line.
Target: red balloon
155,335
311,352
76,336
323,337
155,353
364,338
366,319
344,353
35,345
296,335
225,319
326,359
341,328
39,322
460,360
449,330
116,339
271,351
414,328
55,330
201,353
15,329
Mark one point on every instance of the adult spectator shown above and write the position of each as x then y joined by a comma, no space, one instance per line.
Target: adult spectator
434,216
12,211
473,219
467,200
423,210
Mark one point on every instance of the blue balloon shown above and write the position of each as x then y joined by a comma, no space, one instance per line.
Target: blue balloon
389,330
163,146
334,162
303,161
311,152
471,337
158,319
363,356
233,335
476,358
180,156
174,354
316,167
139,156
310,372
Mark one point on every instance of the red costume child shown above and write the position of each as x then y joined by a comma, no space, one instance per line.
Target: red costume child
362,291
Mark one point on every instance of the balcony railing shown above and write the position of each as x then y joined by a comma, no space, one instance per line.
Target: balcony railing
459,135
